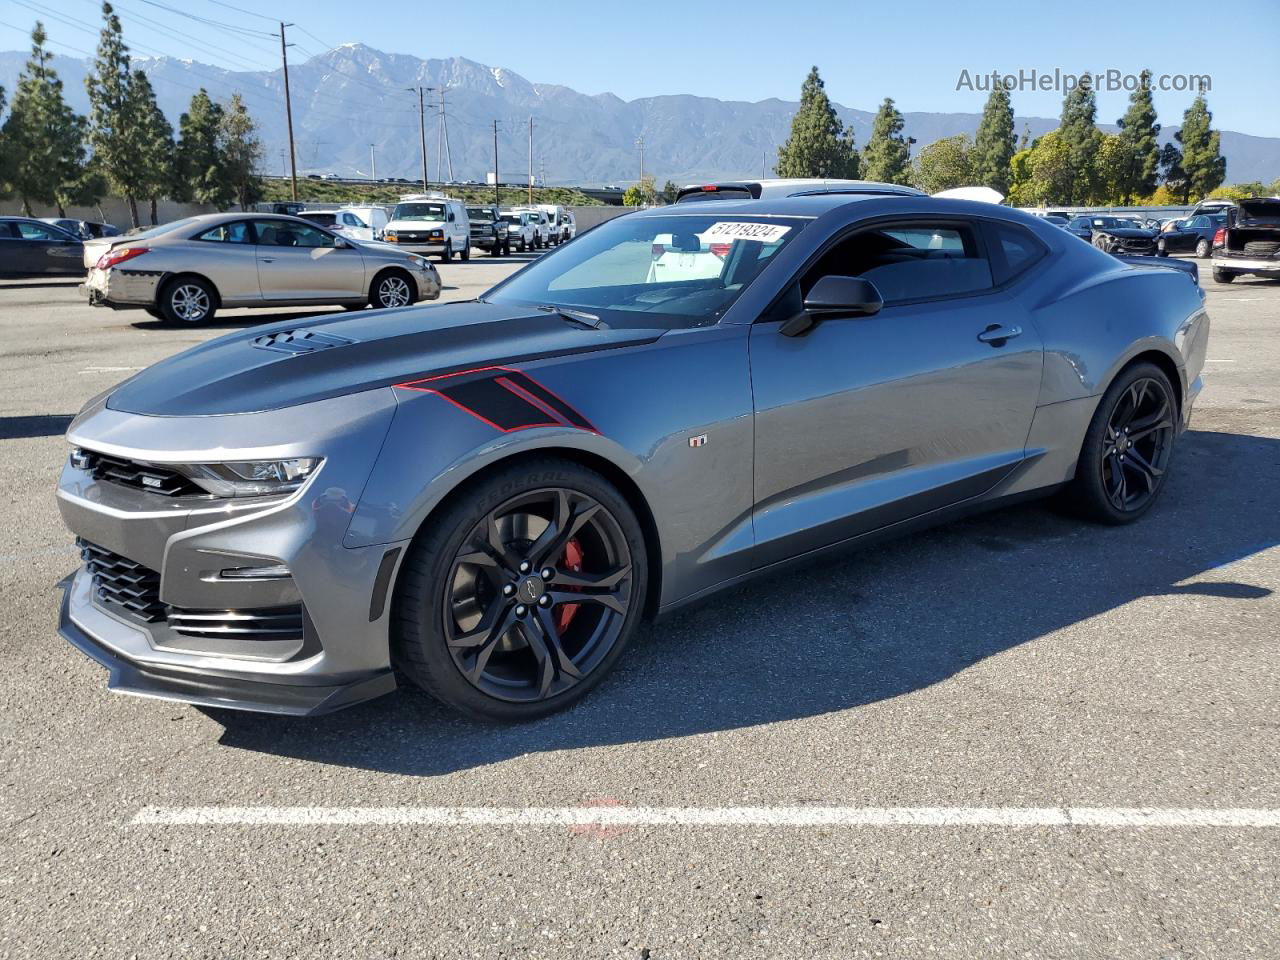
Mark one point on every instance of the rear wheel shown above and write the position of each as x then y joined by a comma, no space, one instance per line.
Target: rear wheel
1223,276
188,300
521,596
1125,458
391,289
1202,248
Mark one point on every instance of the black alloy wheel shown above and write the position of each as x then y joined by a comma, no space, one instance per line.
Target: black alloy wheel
1127,449
522,608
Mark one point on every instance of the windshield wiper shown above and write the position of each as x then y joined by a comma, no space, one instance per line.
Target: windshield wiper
575,316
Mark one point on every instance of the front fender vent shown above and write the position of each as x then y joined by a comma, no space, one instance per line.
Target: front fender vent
300,341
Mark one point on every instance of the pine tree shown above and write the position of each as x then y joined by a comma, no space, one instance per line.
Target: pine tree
241,152
5,155
888,156
1079,133
947,163
113,133
819,144
994,145
1202,160
44,137
1140,144
155,141
1172,175
198,173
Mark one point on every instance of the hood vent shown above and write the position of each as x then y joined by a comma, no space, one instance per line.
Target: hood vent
300,341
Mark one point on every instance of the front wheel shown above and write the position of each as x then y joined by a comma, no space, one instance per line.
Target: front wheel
447,253
390,290
1124,462
1202,248
1161,249
188,300
522,595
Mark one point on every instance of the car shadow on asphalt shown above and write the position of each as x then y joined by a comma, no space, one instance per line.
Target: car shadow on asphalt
242,321
866,627
42,283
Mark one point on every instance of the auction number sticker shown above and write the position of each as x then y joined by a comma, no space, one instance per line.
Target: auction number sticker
727,231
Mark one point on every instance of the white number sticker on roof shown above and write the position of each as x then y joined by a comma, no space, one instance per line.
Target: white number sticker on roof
728,231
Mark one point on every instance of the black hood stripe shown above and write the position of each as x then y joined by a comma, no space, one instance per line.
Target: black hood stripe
505,398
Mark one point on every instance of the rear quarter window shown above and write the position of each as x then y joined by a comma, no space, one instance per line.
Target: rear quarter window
1013,250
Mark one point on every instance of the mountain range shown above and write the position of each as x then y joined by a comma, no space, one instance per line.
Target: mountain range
354,96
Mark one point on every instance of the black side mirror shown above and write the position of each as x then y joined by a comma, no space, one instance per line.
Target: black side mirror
835,296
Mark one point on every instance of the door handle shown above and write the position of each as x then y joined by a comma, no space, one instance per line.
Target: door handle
266,259
996,335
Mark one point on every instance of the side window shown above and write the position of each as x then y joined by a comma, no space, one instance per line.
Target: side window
1013,250
286,233
915,261
237,232
351,220
34,231
7,232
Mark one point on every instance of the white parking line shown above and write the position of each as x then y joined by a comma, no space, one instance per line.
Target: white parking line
1111,817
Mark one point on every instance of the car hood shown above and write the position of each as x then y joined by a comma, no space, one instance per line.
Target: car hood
1127,233
286,364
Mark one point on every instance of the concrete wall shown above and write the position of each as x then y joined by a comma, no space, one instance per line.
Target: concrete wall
588,217
115,210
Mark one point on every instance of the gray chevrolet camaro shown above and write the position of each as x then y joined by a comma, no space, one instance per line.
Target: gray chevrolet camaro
488,496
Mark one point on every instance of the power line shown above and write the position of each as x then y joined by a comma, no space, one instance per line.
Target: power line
231,6
217,24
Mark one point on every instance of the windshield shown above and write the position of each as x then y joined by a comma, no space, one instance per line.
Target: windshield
418,211
511,218
480,213
664,271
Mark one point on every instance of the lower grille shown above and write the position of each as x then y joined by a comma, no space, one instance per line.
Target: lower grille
142,476
124,583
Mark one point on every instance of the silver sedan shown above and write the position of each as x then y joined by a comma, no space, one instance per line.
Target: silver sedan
184,271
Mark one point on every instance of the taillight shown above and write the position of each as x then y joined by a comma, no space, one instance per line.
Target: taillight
721,250
709,188
1220,237
120,255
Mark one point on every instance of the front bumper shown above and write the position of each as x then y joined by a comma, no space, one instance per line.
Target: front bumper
1270,267
170,621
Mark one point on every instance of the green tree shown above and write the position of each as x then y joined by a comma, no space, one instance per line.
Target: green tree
198,172
1240,191
1021,192
154,136
947,163
1079,132
241,153
5,155
1112,169
819,144
640,194
888,155
1172,176
994,143
670,191
1042,174
44,137
1202,160
1140,144
113,132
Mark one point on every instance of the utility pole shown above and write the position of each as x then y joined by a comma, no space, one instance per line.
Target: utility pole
446,153
373,165
497,195
288,113
531,161
422,131
640,144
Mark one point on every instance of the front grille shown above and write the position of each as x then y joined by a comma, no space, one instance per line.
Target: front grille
412,237
123,582
1138,244
264,623
142,476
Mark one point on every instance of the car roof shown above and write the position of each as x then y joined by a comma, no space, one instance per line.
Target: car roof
799,186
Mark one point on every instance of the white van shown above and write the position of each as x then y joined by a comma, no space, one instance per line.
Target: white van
430,223
561,225
373,216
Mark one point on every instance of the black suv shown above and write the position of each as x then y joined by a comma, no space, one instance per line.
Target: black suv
488,231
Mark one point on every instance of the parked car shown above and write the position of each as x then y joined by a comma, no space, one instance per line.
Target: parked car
343,221
186,273
430,223
288,207
522,230
1250,241
374,215
1217,205
487,498
84,229
489,230
541,226
1195,234
1121,235
560,222
30,247
1057,219
787,187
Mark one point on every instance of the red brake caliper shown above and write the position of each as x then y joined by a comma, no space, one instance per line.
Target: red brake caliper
572,561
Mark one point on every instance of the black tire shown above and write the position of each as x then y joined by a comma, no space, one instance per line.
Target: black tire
447,253
155,312
188,301
495,250
519,677
391,289
1223,276
465,255
1100,472
1161,249
1261,248
524,245
1203,248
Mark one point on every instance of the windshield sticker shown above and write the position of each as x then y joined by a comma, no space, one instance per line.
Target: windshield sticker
726,232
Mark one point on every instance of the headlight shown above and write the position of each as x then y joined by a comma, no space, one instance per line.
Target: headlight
419,262
390,236
251,478
436,234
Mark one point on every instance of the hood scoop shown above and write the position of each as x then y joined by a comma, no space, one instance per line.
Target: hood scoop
296,342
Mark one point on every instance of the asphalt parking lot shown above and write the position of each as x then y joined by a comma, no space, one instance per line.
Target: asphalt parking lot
1019,664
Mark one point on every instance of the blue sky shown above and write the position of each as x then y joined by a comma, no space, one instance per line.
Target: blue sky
748,50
